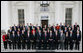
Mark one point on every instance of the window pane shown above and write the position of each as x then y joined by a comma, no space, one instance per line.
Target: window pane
21,16
68,17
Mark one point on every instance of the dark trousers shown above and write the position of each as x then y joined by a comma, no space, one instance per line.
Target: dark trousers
14,45
39,45
62,45
56,44
45,45
34,45
66,45
23,45
71,45
19,45
77,45
5,44
9,42
50,44
28,44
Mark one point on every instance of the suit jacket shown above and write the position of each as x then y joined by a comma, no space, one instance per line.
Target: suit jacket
56,38
18,38
78,38
39,36
75,27
23,37
33,37
45,38
51,37
62,38
28,37
52,28
13,38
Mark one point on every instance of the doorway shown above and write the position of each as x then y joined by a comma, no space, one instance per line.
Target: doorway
44,22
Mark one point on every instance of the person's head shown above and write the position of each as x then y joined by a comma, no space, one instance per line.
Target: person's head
22,31
23,28
72,27
50,31
56,24
39,31
13,32
67,25
33,28
27,24
65,28
78,28
37,28
61,31
75,23
56,31
14,24
28,28
49,25
77,31
18,29
45,26
30,24
36,24
69,28
60,23
10,27
45,31
18,32
66,33
64,24
71,31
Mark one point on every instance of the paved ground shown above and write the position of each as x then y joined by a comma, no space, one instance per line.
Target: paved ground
25,50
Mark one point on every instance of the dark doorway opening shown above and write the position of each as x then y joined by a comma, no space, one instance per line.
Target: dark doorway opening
44,22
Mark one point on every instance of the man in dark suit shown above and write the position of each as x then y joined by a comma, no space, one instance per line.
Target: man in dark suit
50,40
10,30
53,28
71,38
33,38
75,26
78,39
62,39
23,38
38,41
9,39
18,40
66,40
56,39
13,38
28,39
45,40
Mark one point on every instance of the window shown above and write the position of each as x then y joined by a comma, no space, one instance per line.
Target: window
44,6
44,9
21,16
68,17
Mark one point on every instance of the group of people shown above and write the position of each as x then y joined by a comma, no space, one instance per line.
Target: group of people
43,37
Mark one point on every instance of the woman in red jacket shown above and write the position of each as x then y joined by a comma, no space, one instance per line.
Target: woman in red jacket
4,40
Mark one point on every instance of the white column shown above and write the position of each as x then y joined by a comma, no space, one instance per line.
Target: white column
4,15
75,13
80,14
58,12
31,12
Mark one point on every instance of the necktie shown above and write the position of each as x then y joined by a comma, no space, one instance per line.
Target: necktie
45,36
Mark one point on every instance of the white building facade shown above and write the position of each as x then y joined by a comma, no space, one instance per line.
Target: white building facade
33,12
